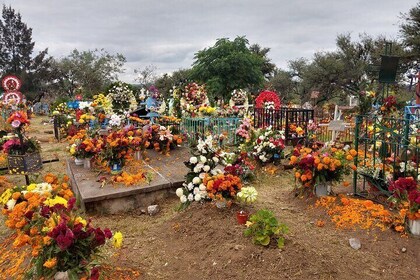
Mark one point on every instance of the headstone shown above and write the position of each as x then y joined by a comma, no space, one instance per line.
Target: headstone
337,125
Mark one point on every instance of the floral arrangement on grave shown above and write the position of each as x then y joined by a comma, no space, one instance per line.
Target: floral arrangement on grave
389,106
377,174
20,144
86,148
240,165
162,139
327,165
192,98
406,196
138,122
245,132
268,100
269,145
222,187
44,217
239,102
207,110
202,162
122,98
115,148
247,195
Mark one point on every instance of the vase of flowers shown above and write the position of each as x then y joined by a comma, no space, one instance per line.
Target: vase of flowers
79,161
322,189
406,195
317,170
22,153
246,196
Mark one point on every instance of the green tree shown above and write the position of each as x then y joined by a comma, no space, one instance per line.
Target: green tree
165,82
90,71
228,65
16,48
268,68
410,30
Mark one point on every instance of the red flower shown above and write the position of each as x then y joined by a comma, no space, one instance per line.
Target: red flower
63,235
108,233
94,273
267,96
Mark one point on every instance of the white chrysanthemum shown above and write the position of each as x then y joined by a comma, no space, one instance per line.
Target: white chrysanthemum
202,187
216,159
190,197
206,168
179,192
193,160
190,186
197,197
11,204
196,180
183,199
196,190
203,159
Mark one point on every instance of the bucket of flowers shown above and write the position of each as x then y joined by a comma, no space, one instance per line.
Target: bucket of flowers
406,196
23,154
317,171
245,197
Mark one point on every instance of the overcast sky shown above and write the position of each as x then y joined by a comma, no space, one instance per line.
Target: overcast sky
167,33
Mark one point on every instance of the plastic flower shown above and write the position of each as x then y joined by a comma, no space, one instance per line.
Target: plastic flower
247,194
117,239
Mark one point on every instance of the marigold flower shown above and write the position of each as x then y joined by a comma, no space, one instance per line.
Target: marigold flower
117,239
50,263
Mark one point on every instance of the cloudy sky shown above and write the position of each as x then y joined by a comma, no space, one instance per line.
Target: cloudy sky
167,33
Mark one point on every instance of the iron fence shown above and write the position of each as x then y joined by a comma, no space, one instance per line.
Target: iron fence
388,148
287,119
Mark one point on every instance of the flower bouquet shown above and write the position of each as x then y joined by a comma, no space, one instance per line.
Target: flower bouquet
316,169
122,98
245,196
222,187
269,145
23,153
202,162
44,217
406,196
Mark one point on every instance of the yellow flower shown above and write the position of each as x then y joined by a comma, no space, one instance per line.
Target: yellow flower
4,198
56,200
80,220
117,239
31,187
50,263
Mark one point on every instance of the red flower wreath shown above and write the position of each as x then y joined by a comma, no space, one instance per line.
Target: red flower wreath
267,96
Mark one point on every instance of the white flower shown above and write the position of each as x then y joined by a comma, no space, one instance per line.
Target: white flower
203,159
11,204
216,159
193,160
190,197
183,199
196,190
202,175
197,197
196,180
179,192
190,186
206,168
202,187
196,170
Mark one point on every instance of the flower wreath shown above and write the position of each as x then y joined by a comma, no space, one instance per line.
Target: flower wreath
267,96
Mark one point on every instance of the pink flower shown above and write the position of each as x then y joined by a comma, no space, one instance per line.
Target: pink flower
16,123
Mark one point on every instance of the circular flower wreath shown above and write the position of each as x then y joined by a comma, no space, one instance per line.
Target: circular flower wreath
265,97
122,98
239,96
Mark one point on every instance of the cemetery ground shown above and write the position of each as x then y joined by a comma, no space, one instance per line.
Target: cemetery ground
203,242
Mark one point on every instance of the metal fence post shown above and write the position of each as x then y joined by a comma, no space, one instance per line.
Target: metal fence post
356,147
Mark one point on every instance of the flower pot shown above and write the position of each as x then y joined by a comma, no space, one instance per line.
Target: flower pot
87,163
116,168
21,164
414,226
79,161
137,155
242,217
322,189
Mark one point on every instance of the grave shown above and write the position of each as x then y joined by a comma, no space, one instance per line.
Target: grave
167,174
